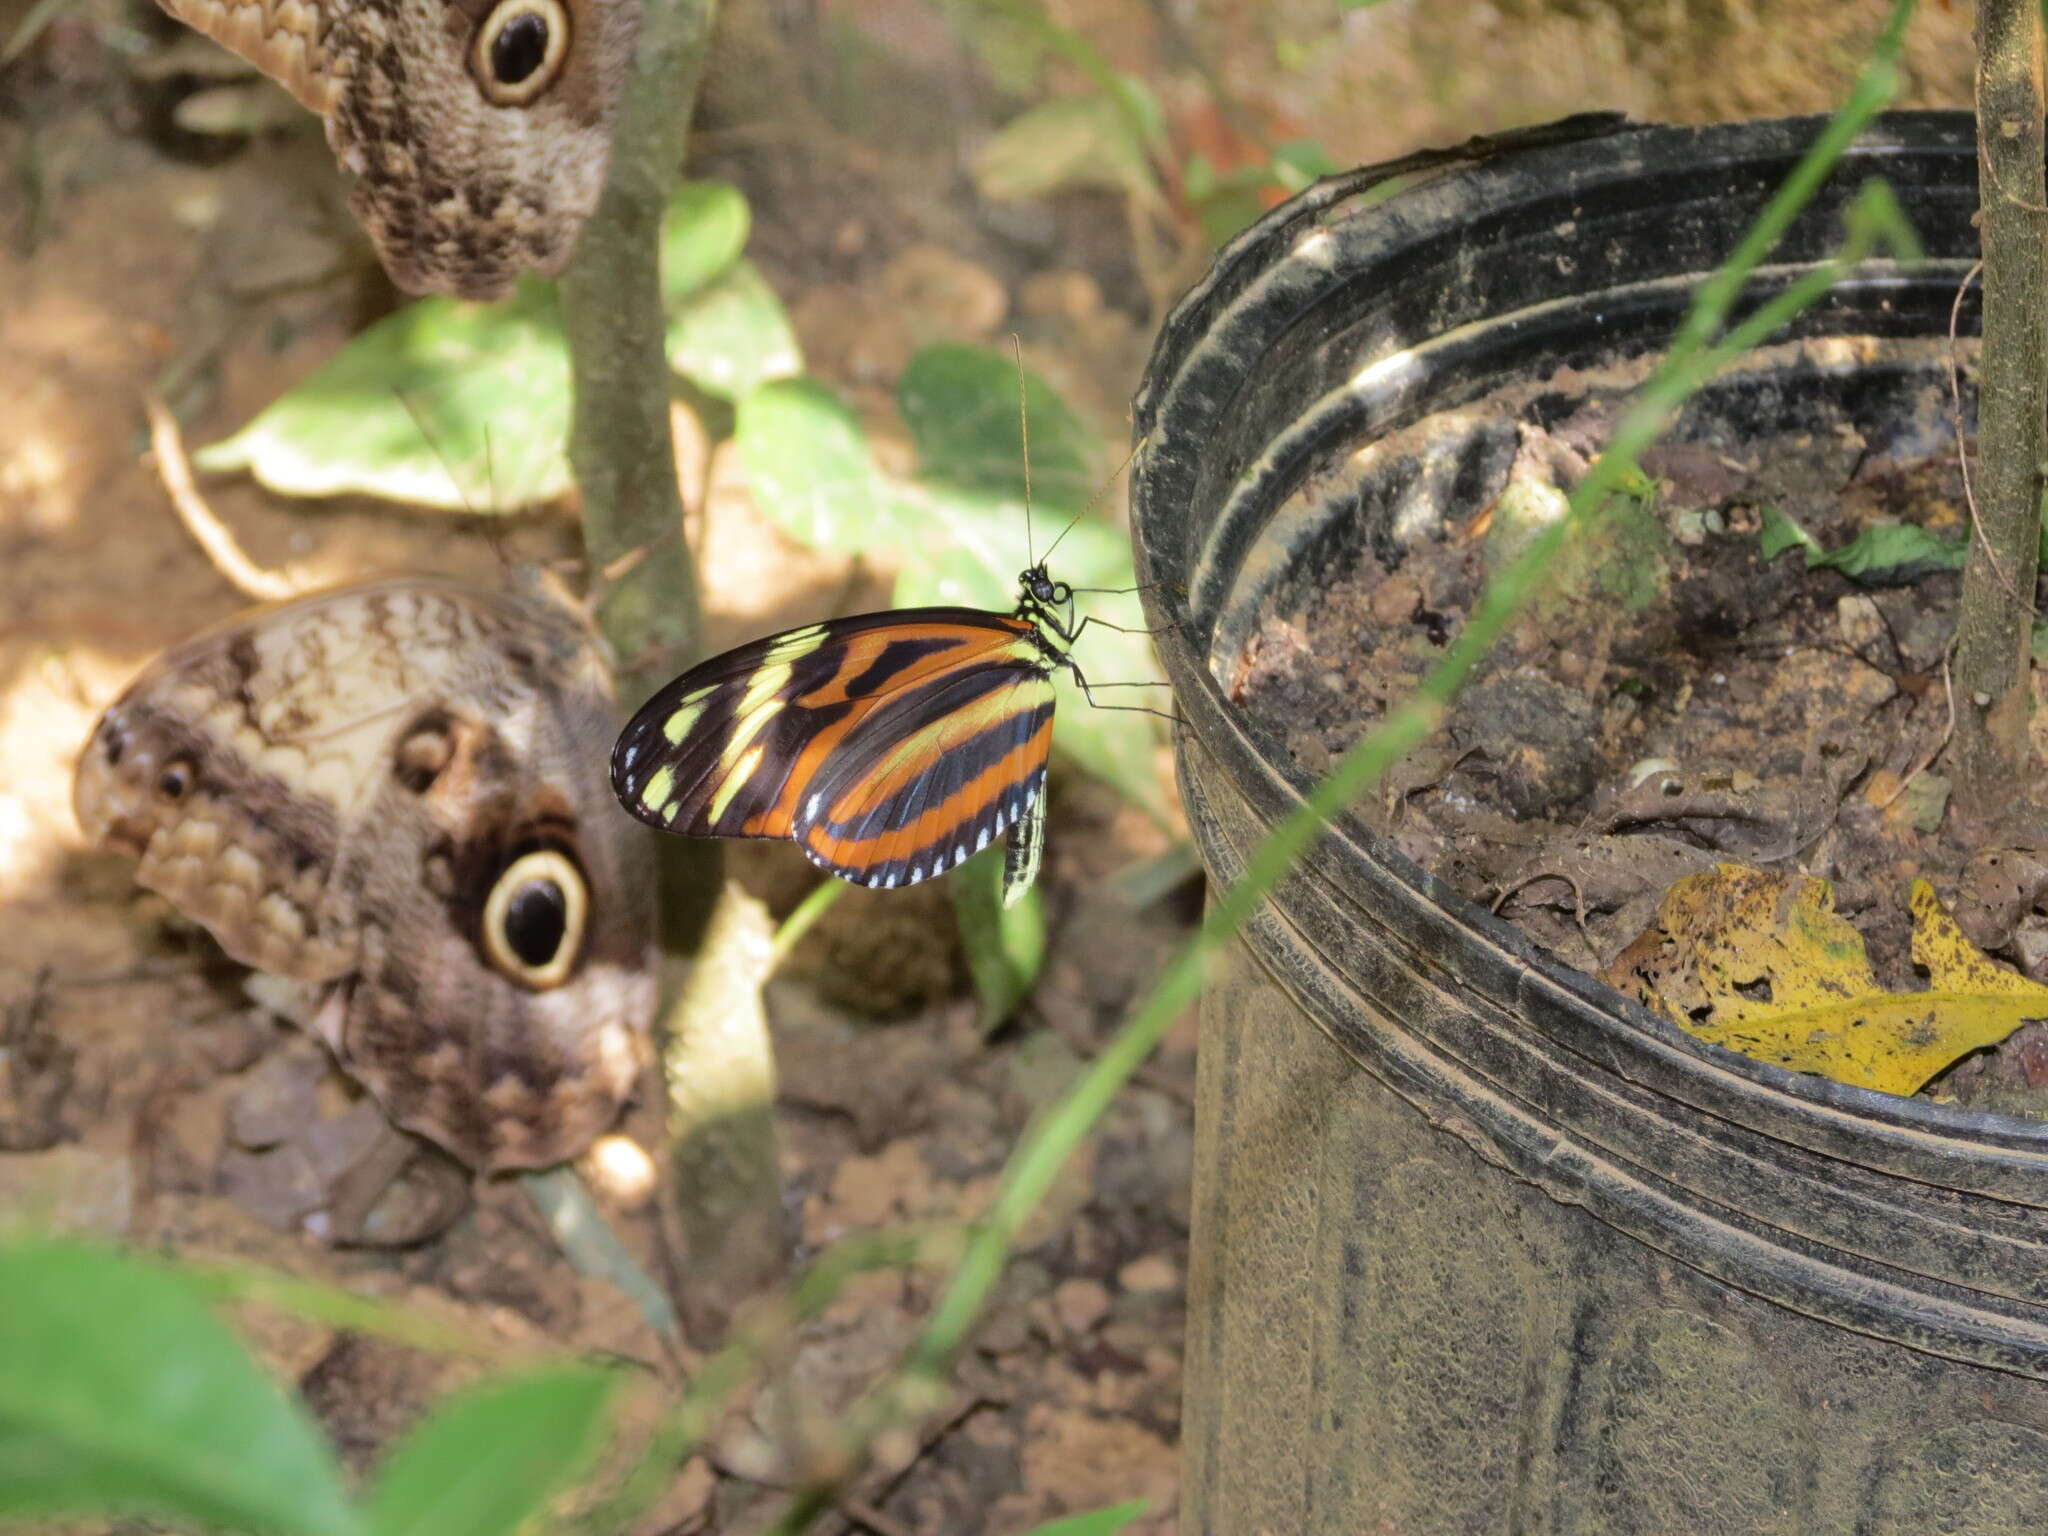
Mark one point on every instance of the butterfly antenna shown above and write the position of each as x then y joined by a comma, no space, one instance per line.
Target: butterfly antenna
434,447
1024,437
496,529
1096,500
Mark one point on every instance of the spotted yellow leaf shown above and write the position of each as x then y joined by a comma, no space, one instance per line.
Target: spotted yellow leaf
1760,962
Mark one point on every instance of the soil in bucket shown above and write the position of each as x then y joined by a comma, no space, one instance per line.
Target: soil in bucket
1709,762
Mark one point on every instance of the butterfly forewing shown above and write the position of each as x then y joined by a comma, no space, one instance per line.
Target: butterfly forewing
878,742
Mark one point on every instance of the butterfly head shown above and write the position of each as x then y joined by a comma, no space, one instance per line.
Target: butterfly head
1036,589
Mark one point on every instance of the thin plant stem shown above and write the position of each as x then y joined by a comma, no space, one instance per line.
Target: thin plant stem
768,1326
805,917
1689,364
1992,749
620,445
724,1178
1036,1164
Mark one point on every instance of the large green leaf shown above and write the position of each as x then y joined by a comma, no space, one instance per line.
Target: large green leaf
703,232
733,335
444,404
486,1460
1101,1522
810,468
969,551
961,406
466,406
120,1393
1067,143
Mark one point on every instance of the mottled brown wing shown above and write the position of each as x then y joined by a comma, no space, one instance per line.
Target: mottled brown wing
478,132
396,789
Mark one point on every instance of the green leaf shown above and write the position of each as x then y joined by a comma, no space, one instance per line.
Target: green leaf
1141,107
1882,550
960,529
1005,945
1067,143
733,335
1226,208
810,467
1102,1522
120,1393
1779,533
961,406
1299,162
444,404
487,1459
1892,547
703,232
969,551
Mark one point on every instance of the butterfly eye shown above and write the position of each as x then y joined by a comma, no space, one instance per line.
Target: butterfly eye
519,50
175,782
535,917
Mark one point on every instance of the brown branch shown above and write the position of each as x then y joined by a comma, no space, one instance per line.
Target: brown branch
1992,633
222,548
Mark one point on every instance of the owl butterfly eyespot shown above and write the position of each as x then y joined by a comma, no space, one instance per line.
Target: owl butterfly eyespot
478,131
387,790
534,919
519,50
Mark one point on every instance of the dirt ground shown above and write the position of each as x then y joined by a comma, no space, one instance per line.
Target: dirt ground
136,256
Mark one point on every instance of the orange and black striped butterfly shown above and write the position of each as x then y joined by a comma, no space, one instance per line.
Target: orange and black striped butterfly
890,747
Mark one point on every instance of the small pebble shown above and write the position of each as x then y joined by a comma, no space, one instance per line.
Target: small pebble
1154,1272
1861,624
1394,600
1646,767
1063,293
1080,1304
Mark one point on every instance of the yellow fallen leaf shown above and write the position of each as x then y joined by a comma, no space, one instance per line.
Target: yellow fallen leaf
1953,963
1760,962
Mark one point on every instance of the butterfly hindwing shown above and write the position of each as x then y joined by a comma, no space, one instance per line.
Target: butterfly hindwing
895,707
924,784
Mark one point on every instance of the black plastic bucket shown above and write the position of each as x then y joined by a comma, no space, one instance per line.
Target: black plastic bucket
1480,1246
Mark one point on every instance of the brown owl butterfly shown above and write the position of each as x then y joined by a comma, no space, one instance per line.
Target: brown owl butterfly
395,791
477,130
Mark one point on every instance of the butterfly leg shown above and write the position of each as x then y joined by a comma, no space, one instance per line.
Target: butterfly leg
1069,636
1088,692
